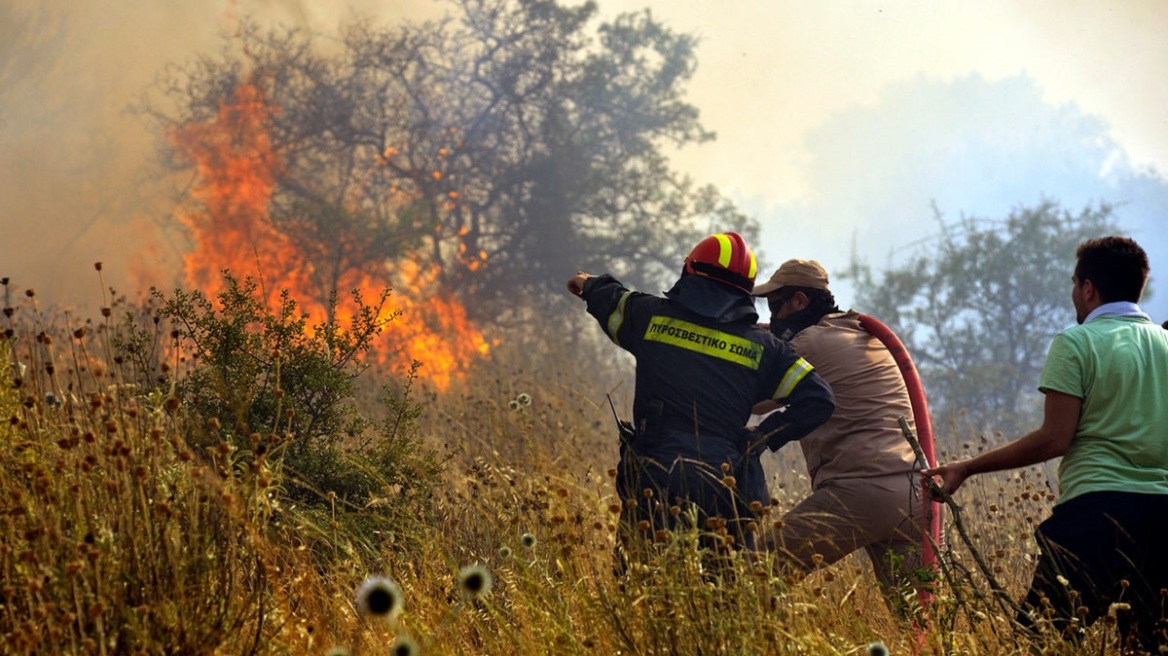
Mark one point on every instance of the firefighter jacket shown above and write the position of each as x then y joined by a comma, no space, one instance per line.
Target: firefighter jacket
702,363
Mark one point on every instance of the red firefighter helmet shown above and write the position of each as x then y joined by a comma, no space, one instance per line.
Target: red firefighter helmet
724,257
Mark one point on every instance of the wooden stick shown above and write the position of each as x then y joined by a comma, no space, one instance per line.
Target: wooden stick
936,493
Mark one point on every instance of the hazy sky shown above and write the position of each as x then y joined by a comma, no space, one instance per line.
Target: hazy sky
840,123
770,71
918,88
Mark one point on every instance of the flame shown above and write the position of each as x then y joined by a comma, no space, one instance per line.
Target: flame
237,168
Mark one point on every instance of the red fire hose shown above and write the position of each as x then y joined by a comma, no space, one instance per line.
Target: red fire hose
931,517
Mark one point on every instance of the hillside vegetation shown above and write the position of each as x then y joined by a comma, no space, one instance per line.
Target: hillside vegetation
210,476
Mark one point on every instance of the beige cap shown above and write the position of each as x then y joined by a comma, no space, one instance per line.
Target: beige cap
795,273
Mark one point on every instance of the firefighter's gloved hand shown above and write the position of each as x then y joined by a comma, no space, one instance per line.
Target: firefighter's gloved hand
576,283
757,440
778,440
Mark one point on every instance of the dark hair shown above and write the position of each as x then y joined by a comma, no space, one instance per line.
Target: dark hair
1117,266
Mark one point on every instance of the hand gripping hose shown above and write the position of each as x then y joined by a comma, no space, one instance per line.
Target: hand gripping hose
931,517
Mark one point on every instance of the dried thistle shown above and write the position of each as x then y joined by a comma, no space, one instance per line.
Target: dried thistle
475,581
379,597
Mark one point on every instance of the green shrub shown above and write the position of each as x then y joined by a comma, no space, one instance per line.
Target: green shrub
262,379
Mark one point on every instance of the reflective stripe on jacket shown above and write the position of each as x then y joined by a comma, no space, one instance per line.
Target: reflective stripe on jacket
705,374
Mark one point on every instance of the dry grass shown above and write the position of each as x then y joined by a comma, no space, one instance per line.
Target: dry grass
116,536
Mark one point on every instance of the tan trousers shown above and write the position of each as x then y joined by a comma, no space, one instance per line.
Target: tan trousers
880,515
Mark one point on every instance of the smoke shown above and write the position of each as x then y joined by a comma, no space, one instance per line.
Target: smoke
968,147
75,183
79,175
79,182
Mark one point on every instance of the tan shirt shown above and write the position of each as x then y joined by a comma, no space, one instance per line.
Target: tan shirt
863,438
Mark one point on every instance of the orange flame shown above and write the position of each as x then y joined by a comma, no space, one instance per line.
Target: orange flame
236,173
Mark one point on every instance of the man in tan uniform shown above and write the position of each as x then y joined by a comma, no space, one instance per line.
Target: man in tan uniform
865,494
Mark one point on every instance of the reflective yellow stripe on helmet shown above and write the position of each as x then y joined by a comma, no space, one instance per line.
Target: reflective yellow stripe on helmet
726,254
725,250
707,341
795,373
617,318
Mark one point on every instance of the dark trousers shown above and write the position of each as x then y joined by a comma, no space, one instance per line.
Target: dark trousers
1100,549
658,487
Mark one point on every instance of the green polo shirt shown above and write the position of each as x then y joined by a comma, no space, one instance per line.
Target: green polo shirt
1118,366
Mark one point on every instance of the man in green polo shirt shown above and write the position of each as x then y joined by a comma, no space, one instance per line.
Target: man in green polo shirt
1105,545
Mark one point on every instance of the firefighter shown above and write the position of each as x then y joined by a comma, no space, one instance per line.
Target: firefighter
702,362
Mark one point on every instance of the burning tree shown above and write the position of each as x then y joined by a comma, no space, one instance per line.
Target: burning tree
493,154
315,252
